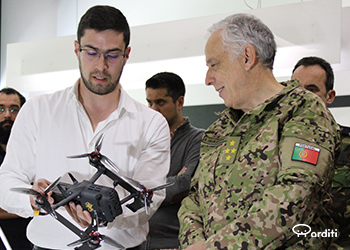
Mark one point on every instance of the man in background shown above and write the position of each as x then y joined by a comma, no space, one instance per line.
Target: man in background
11,102
165,93
316,74
13,226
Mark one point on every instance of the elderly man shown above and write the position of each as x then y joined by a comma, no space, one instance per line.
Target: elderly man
265,165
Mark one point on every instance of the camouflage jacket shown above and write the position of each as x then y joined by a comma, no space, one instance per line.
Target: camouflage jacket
342,173
340,210
261,173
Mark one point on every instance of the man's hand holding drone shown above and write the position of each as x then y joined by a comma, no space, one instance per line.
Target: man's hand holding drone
80,216
40,186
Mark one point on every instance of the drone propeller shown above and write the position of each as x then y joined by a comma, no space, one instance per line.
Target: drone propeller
40,197
28,191
98,144
97,156
111,242
145,192
140,187
109,163
135,184
79,242
162,186
95,237
79,156
52,185
148,194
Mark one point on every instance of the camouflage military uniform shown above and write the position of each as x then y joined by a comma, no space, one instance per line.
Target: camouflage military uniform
255,180
341,193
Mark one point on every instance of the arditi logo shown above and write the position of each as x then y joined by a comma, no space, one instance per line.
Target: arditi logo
304,230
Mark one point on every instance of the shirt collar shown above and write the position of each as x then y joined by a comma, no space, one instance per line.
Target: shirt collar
73,92
126,103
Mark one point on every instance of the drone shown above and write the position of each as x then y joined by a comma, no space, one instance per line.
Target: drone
101,202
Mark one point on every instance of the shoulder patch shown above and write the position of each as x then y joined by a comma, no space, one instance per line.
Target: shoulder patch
305,153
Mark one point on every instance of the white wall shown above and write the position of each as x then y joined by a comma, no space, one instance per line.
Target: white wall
24,20
167,35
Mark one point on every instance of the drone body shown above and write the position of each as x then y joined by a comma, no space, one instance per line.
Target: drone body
91,197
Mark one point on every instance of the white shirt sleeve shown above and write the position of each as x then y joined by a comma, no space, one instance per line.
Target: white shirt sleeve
18,168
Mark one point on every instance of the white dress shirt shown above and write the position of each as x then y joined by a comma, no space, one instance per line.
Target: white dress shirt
51,127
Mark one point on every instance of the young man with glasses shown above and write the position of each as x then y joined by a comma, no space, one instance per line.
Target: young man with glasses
69,122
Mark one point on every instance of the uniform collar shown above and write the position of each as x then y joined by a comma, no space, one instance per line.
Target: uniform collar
235,114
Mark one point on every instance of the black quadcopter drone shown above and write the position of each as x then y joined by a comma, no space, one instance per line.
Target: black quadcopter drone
101,202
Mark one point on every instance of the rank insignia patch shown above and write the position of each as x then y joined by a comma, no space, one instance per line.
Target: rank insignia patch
305,153
230,149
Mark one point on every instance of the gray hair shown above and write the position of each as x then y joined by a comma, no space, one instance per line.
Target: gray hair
239,30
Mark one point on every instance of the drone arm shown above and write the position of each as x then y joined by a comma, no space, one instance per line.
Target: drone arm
97,175
121,182
129,197
81,234
66,200
138,201
69,225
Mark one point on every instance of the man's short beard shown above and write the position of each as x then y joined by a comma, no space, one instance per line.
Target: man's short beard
5,132
173,119
98,91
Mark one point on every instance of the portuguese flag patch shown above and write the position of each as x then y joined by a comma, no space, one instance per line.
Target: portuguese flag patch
305,153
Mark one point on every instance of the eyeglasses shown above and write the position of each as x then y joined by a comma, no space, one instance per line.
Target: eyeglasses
93,55
13,111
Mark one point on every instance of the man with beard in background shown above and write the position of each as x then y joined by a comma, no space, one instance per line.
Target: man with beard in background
10,103
13,226
165,93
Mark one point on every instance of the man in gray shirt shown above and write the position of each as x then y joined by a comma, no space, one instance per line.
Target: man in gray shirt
165,93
